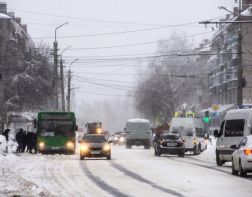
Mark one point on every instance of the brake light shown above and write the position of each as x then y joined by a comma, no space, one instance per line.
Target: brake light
247,151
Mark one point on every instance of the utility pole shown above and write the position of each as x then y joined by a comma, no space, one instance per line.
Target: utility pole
69,78
55,64
68,89
239,94
62,85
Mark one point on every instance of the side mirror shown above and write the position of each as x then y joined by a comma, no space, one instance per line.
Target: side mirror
233,146
35,123
216,133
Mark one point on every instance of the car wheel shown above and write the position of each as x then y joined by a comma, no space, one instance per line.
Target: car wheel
234,172
109,157
158,152
155,151
241,171
81,157
218,161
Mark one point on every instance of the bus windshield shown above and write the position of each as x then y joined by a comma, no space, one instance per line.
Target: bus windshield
57,126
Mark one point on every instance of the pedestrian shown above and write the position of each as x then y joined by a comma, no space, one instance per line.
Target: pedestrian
29,141
23,141
34,145
19,140
6,134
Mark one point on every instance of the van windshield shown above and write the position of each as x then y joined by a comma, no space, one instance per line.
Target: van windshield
234,128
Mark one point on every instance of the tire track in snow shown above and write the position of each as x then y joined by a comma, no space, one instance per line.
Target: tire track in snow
100,183
205,166
144,180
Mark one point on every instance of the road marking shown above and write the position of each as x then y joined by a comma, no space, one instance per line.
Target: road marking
100,183
144,180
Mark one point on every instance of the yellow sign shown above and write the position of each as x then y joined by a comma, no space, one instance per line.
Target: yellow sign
215,107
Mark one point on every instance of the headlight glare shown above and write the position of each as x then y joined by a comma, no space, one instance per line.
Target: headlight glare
106,147
84,147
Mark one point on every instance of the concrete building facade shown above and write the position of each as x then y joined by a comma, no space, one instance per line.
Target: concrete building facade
223,67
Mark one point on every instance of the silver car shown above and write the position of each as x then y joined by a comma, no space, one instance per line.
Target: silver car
242,157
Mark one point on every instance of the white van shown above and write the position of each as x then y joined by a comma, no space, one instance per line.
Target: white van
236,125
192,132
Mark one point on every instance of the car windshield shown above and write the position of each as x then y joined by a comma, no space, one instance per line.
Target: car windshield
94,139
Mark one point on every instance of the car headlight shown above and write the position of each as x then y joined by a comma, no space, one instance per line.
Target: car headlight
99,130
41,145
121,139
116,138
106,147
70,145
84,147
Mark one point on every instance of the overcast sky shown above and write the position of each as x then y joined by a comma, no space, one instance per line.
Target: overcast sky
110,78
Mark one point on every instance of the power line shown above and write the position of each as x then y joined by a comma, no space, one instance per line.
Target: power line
115,33
91,19
85,19
139,44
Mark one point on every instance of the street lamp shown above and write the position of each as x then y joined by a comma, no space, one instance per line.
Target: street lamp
69,84
62,79
55,63
55,40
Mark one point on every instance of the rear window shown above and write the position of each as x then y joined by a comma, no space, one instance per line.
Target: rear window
94,139
234,128
172,137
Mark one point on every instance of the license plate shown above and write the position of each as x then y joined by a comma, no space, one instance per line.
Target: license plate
171,144
55,148
95,152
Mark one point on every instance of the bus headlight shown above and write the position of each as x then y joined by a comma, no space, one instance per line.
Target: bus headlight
41,145
84,148
70,145
106,148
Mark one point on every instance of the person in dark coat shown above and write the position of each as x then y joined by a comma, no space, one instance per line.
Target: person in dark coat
6,134
29,141
23,141
19,137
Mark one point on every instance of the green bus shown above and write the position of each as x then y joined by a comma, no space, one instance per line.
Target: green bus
56,132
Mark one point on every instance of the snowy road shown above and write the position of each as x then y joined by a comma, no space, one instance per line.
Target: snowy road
134,172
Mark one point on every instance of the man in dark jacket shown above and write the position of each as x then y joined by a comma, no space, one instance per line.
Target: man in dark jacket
6,134
19,137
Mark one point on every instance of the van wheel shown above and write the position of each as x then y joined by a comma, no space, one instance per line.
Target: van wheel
218,161
241,171
234,172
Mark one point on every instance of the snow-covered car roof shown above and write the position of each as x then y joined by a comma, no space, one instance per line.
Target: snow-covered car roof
138,120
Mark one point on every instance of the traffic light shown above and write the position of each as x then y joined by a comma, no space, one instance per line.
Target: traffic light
206,118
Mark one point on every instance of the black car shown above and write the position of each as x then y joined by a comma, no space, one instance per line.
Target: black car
95,145
169,143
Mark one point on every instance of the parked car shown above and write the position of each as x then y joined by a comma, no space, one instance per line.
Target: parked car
95,145
169,143
235,126
242,157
